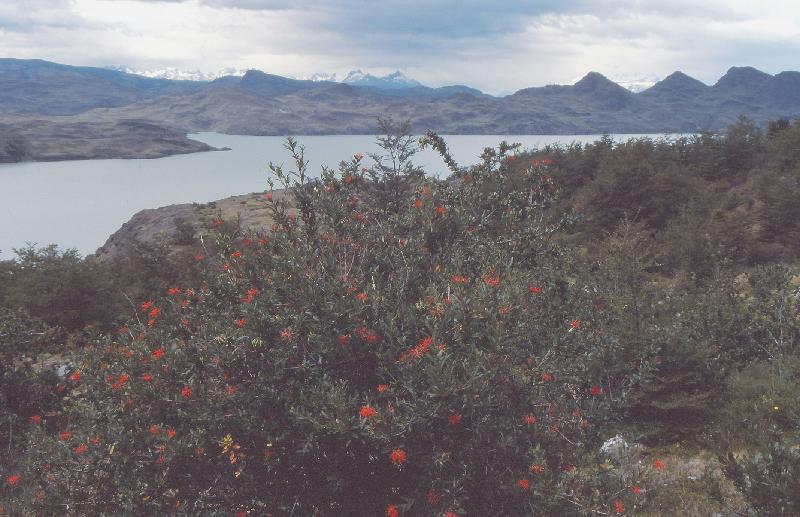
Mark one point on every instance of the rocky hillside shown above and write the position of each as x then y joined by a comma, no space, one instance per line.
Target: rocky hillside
174,224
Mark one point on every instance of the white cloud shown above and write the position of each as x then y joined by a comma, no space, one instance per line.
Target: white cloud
498,47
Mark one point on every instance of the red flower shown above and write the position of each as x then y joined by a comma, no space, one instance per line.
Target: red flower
96,440
65,435
659,465
13,480
440,210
231,389
76,376
343,339
367,412
417,203
636,489
575,325
36,419
154,312
146,305
619,507
547,377
419,350
218,222
153,430
236,255
460,279
287,334
392,511
360,217
432,497
382,387
186,392
524,484
171,432
398,456
158,353
199,257
268,196
121,380
362,297
529,419
537,468
596,391
491,280
80,449
534,289
241,322
172,291
250,296
147,377
454,418
450,514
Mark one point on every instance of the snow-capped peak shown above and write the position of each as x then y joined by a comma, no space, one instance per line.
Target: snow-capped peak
394,80
637,84
181,75
320,77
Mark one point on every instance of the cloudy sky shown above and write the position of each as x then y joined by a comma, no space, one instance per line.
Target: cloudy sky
497,46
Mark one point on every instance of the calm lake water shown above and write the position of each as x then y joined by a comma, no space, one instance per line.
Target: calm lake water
78,204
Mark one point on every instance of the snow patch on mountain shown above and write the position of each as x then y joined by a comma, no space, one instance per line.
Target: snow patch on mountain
181,75
394,80
637,84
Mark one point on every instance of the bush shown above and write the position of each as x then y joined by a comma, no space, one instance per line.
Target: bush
393,344
758,435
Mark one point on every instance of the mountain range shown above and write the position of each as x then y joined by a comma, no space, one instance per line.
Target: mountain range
35,93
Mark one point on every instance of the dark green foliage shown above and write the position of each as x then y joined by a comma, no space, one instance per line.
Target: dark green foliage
58,287
758,431
648,304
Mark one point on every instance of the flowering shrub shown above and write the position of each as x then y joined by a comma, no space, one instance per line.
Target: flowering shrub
393,345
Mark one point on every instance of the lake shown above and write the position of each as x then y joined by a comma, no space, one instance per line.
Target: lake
78,204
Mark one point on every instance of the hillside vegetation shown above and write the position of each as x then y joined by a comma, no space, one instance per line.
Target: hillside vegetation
387,343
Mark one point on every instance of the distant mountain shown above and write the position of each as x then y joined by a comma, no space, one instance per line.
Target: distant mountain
392,81
637,84
180,75
676,86
259,103
270,85
42,87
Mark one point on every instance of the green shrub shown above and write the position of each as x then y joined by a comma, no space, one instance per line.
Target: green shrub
393,343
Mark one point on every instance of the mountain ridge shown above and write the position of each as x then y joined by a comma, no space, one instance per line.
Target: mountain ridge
259,103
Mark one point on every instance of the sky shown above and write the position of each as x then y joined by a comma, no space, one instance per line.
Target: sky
496,46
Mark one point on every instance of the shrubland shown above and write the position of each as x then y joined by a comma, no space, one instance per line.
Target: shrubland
396,344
